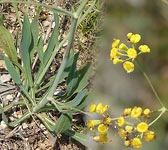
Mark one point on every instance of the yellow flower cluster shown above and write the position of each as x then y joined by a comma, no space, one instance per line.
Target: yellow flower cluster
102,125
141,129
120,53
132,133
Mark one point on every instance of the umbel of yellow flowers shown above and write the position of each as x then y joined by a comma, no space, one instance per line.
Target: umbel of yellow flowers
132,133
120,53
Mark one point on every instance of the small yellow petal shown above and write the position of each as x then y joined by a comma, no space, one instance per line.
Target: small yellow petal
132,54
121,121
128,66
149,136
102,129
115,43
136,112
142,127
135,38
136,143
144,49
129,35
147,112
92,108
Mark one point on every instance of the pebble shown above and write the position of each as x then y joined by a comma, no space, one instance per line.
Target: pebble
5,78
9,97
46,23
3,125
24,125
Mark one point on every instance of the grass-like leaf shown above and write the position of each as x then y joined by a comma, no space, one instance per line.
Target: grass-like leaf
7,43
63,123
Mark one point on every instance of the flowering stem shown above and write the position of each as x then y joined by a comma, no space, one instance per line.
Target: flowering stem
149,82
163,110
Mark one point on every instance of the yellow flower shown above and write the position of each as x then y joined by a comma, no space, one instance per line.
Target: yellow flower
92,108
113,53
123,47
120,121
129,129
92,123
135,38
102,129
129,35
146,112
117,61
100,138
132,54
127,111
128,66
144,49
127,143
136,112
149,136
107,121
136,142
122,133
115,43
101,108
142,127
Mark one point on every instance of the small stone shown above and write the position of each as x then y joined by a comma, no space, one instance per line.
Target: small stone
5,78
24,125
9,97
46,132
42,126
44,48
3,125
11,118
46,23
53,25
65,44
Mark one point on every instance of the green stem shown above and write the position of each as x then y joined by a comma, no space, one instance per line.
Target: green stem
150,83
59,10
163,110
61,69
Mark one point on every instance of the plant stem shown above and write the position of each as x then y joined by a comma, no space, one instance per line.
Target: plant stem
59,10
163,110
150,83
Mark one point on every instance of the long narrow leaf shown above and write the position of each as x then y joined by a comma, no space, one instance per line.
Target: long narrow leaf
35,32
53,40
77,136
7,43
25,48
40,51
63,123
76,101
72,78
16,77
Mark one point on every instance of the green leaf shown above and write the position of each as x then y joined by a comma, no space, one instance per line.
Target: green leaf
25,48
1,56
76,101
84,75
16,78
7,43
72,79
86,100
63,123
53,40
35,32
77,136
40,50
